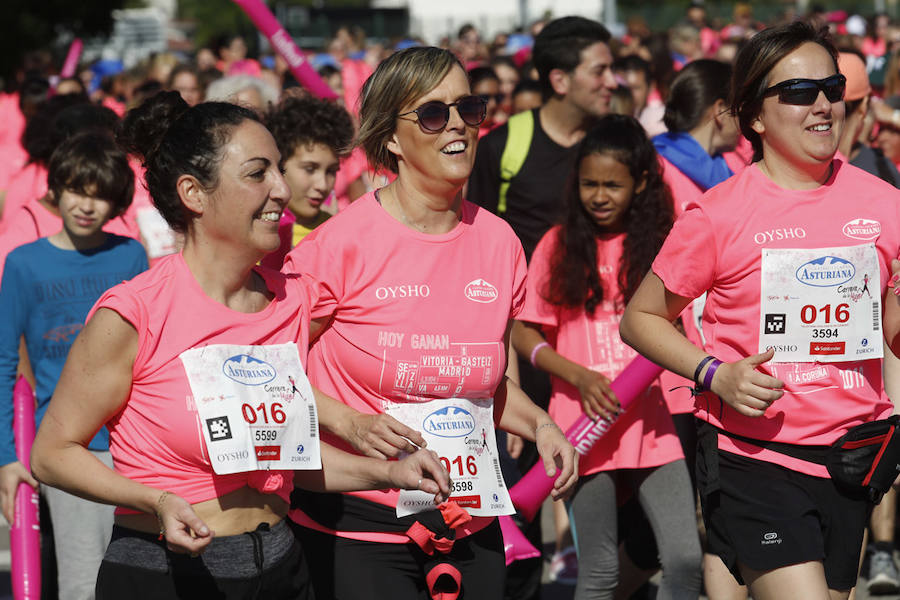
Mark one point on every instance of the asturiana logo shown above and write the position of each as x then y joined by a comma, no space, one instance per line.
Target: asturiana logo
449,422
247,370
827,271
481,291
862,229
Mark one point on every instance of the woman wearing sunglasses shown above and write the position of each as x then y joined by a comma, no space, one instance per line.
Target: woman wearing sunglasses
794,255
418,290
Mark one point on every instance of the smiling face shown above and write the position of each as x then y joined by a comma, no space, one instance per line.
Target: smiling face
588,88
800,137
445,156
310,173
83,217
606,187
245,207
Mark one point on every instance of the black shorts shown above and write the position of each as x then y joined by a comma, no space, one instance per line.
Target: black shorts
765,516
358,570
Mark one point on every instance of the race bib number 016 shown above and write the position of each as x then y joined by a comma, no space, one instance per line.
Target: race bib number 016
461,431
256,407
821,304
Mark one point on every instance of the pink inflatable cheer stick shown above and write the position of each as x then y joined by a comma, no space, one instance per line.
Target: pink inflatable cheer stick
528,494
25,532
266,22
72,59
515,545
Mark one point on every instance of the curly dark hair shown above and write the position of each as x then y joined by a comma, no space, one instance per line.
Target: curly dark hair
174,139
574,280
304,121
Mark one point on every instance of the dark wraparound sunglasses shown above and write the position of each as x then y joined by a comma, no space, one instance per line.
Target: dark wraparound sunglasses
434,116
803,92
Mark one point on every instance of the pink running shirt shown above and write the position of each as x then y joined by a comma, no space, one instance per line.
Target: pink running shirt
415,316
716,245
642,437
156,438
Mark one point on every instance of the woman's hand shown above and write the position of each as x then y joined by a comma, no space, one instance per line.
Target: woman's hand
597,398
746,389
382,436
514,445
184,531
11,475
560,458
423,471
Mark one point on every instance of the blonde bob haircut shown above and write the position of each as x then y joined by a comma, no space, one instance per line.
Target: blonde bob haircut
398,81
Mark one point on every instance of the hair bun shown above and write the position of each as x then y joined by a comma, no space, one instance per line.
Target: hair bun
146,126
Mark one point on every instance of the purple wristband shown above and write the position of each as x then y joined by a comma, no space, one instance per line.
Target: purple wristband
710,371
535,350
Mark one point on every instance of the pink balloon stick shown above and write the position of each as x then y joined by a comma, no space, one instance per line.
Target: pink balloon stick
72,59
281,40
25,531
531,491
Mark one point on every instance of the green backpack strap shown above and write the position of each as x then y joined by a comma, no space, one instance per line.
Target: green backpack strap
520,130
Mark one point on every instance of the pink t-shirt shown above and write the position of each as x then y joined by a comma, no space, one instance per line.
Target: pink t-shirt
12,155
716,246
415,316
642,437
29,183
156,438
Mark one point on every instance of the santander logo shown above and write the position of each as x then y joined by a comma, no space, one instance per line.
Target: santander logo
481,291
862,229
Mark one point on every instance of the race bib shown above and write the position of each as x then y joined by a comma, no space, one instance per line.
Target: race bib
158,236
461,431
256,407
821,304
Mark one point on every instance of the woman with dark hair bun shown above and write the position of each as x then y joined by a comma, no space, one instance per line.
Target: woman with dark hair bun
794,254
197,369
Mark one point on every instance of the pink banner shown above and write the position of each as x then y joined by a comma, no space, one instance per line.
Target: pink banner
68,69
531,491
25,531
281,40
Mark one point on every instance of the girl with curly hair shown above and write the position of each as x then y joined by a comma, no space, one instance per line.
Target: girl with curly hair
580,277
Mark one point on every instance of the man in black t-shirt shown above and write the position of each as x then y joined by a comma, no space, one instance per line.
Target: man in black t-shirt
574,65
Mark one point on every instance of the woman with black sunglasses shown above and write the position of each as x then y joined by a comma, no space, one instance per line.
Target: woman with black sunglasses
794,255
418,291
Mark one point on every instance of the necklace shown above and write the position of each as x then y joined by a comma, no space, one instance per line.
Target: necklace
405,218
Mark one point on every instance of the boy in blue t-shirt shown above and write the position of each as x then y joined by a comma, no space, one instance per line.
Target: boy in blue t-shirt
47,289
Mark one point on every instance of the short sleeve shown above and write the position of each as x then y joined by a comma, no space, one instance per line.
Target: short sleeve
537,309
127,304
520,271
687,261
313,257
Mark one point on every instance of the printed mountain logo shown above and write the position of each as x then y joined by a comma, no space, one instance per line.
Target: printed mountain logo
449,422
862,229
826,271
481,291
247,370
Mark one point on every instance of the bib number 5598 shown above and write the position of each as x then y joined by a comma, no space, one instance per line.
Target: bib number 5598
470,465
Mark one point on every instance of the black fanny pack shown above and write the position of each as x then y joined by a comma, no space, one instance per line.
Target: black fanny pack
866,460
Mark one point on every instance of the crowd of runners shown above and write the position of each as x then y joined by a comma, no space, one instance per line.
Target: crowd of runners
288,347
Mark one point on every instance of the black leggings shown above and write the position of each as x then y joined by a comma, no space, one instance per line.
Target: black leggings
266,563
346,569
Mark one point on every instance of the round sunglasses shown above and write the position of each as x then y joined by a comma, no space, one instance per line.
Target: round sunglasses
803,92
434,115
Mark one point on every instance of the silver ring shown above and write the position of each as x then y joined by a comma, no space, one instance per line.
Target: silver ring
419,485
